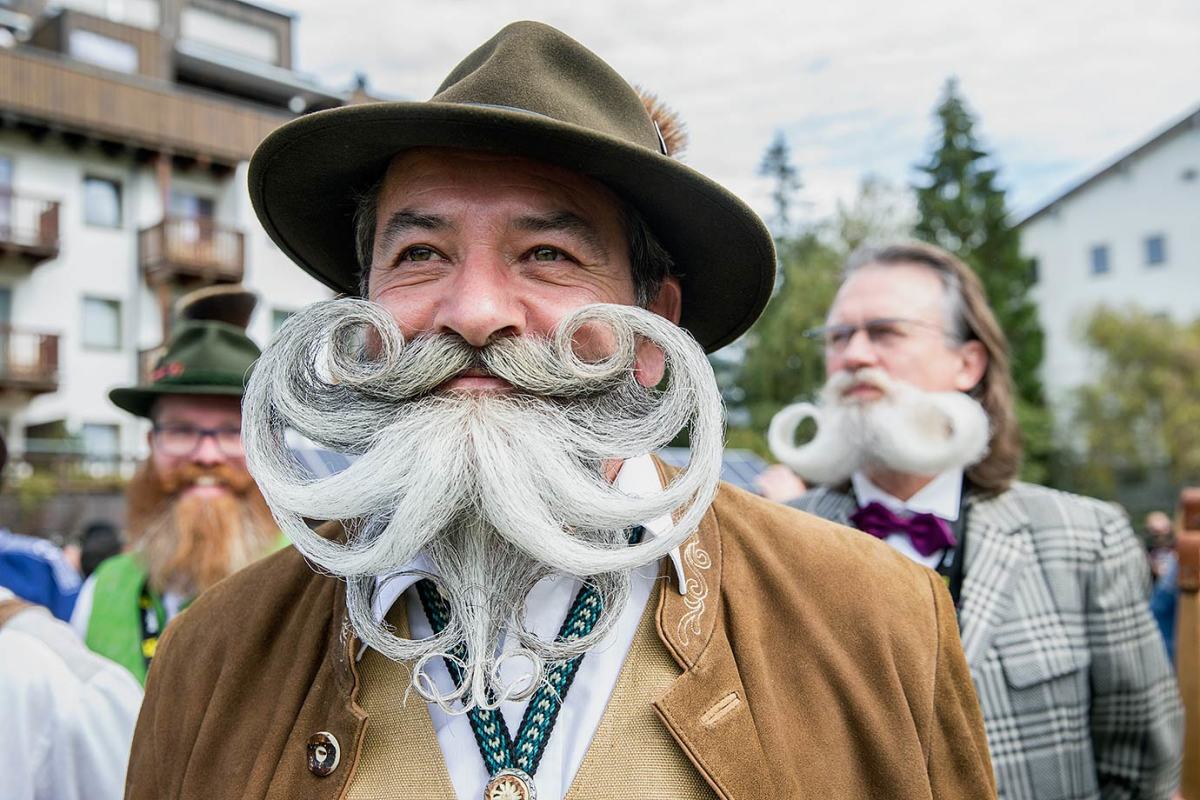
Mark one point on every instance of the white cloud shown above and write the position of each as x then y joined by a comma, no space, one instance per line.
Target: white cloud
1059,87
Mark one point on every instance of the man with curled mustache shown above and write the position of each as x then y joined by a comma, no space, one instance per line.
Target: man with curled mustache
515,598
917,444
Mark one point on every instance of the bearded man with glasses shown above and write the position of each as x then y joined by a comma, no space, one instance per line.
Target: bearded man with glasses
194,514
917,444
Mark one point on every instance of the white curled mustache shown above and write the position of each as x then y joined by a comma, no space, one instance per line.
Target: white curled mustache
270,407
491,507
907,430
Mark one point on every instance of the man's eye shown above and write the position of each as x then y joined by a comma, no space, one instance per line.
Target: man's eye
839,335
418,253
883,332
547,254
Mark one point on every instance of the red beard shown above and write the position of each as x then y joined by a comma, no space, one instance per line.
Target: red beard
188,543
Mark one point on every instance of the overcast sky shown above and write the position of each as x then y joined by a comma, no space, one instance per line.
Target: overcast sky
1060,86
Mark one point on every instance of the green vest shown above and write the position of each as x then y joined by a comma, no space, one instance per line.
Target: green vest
114,627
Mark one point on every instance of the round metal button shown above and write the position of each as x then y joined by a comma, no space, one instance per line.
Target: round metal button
510,784
323,753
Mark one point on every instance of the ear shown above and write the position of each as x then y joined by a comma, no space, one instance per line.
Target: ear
669,304
973,363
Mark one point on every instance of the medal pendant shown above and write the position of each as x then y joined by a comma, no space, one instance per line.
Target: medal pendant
510,784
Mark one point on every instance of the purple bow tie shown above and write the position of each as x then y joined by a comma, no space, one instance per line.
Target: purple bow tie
927,532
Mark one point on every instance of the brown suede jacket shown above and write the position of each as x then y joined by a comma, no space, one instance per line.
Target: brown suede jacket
817,663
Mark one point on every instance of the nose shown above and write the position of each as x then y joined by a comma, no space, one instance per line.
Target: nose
483,302
859,352
207,453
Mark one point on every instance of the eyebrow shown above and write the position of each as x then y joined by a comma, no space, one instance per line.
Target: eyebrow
406,221
564,222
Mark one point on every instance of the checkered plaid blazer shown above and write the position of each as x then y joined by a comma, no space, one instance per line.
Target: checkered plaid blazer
1078,699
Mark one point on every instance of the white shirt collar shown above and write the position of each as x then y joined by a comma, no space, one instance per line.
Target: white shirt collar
638,476
940,497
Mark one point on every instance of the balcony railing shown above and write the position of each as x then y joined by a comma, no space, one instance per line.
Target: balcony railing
189,251
28,226
28,361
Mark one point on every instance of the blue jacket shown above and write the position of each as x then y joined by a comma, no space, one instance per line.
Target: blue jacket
34,569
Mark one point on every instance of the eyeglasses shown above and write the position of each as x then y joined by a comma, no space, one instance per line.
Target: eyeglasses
884,333
182,440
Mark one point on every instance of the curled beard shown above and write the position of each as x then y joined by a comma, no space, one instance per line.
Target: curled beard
186,543
496,490
906,430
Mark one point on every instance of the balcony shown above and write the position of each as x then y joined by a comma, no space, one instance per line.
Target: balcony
28,227
55,92
191,252
28,361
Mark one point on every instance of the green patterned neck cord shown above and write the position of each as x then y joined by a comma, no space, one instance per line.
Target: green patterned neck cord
498,749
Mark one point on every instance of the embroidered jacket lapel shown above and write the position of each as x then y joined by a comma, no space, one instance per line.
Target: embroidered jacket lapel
999,549
705,709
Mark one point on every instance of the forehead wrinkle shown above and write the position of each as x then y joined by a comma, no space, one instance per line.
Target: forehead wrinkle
563,222
407,220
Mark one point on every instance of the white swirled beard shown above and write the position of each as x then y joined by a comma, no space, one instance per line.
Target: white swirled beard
906,430
496,490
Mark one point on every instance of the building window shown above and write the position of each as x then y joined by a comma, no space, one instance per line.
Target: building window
103,51
278,317
214,30
1100,265
1035,270
101,441
1156,250
101,323
143,14
101,202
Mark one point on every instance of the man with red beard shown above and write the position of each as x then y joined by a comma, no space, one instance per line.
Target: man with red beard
516,599
194,513
917,444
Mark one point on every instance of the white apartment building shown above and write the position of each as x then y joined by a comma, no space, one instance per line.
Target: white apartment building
125,129
1127,235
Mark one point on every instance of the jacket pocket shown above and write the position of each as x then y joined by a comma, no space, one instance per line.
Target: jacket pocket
1030,657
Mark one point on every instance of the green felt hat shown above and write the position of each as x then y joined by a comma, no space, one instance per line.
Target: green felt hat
535,92
203,356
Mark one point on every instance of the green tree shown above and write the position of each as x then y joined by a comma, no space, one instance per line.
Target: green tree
780,365
1140,419
880,212
961,208
785,177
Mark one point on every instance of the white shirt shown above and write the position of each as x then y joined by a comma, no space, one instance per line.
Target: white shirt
940,497
547,607
66,714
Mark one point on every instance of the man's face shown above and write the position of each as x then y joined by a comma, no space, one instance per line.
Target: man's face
201,432
486,246
914,345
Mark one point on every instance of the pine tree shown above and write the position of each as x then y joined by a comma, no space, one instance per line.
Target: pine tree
961,208
777,165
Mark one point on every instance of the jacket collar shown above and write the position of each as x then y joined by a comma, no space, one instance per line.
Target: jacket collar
999,549
701,708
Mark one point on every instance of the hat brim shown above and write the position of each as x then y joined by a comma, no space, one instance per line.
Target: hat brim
139,400
305,176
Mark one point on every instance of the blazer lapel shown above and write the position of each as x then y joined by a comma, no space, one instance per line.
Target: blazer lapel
999,548
705,709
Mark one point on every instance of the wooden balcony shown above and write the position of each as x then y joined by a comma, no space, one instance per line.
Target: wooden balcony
59,93
191,252
28,227
28,361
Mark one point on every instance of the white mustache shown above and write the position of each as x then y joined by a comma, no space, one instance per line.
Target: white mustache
908,430
496,490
